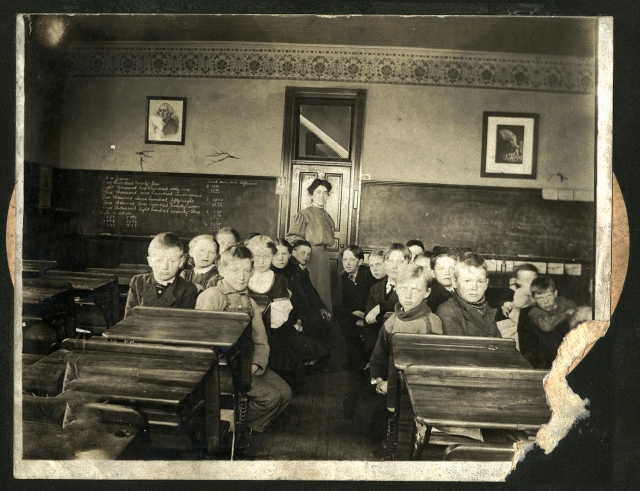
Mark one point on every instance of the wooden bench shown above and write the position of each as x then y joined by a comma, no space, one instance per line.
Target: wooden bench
479,452
470,397
174,387
61,429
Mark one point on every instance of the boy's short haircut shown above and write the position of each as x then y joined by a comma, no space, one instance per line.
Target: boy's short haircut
377,252
526,267
541,284
435,257
233,253
415,242
299,243
356,250
165,240
396,246
228,231
204,238
469,260
261,242
411,271
285,243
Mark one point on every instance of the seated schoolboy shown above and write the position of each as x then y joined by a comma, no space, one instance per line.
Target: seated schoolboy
269,394
204,251
416,247
424,260
467,312
521,299
382,295
411,315
356,280
309,320
162,287
551,315
376,264
300,257
442,288
290,348
227,237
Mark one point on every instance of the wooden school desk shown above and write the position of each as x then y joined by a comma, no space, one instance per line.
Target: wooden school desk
227,333
469,397
91,289
62,429
158,380
51,303
424,350
124,276
33,268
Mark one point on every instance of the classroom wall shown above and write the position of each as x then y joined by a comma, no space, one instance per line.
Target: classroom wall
433,134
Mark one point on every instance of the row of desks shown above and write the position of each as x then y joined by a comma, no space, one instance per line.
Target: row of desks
457,381
169,364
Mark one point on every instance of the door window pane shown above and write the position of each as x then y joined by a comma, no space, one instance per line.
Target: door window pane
324,131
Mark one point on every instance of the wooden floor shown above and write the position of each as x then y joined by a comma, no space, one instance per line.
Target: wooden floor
313,426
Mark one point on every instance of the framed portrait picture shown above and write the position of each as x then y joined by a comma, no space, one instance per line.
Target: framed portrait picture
509,145
166,120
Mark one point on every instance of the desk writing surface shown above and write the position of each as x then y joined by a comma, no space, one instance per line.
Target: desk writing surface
81,281
202,328
478,397
437,350
35,295
37,266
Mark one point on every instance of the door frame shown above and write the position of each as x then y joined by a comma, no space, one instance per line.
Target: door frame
292,95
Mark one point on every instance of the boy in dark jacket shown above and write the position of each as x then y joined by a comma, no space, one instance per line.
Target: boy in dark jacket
162,287
356,281
467,312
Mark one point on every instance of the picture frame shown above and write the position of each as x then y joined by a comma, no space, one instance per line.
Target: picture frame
166,120
509,145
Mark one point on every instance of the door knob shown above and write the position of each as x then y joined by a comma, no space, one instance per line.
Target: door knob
341,246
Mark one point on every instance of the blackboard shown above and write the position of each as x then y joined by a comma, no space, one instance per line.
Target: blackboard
142,204
491,221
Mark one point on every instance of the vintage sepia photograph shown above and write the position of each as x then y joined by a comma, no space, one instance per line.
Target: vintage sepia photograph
369,256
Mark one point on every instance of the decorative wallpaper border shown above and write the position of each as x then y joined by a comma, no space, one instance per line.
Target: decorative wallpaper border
333,64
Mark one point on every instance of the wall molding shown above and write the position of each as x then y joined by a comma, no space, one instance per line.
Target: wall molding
341,64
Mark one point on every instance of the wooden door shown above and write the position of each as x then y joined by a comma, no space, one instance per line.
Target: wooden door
337,206
323,132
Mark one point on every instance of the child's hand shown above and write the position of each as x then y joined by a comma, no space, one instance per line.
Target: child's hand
381,386
507,307
326,315
373,313
298,326
358,313
200,288
254,368
360,323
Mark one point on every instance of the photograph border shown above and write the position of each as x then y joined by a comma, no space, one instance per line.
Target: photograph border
376,476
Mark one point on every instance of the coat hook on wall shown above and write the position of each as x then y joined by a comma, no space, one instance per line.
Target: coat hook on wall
219,157
144,154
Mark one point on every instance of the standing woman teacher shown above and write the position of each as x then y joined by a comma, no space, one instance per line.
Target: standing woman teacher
314,225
